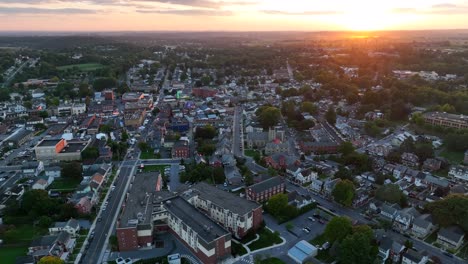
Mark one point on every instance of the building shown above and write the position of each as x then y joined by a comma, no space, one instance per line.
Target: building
446,120
423,226
465,159
302,251
60,149
204,92
181,149
234,213
59,245
410,160
460,172
432,165
414,257
131,97
134,118
72,227
276,147
450,237
264,190
19,137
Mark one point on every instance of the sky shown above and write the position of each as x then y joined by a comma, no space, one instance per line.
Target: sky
231,15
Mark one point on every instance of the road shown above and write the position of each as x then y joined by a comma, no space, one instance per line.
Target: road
20,68
237,133
103,229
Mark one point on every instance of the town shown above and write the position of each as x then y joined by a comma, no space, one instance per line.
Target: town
213,149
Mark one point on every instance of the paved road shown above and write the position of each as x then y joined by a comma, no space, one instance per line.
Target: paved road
238,133
103,229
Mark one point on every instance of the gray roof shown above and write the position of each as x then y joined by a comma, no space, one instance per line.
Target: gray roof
454,233
206,228
43,241
73,223
266,184
224,199
423,221
413,255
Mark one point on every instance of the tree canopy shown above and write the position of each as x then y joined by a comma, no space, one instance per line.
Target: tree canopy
268,116
343,192
50,260
391,193
452,210
338,228
72,170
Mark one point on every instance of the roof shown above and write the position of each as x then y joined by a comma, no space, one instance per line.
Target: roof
206,228
423,221
266,184
43,241
73,223
454,233
49,142
413,256
301,251
223,199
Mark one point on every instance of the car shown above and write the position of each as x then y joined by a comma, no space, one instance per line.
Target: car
99,219
2,179
448,254
113,187
306,230
311,219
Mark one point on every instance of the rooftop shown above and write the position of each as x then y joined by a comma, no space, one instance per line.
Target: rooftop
223,199
206,228
266,184
49,142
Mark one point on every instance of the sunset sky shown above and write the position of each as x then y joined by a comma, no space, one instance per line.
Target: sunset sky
231,15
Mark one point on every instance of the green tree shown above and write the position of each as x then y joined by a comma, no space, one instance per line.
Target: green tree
143,146
207,132
390,193
356,249
43,114
338,228
344,174
44,221
50,260
104,128
452,210
90,153
330,115
343,192
104,83
346,148
309,107
72,170
268,116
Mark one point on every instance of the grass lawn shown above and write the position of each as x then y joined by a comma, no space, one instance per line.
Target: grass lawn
463,252
23,234
149,155
324,256
431,238
82,67
272,261
267,238
150,168
238,249
63,183
452,157
318,240
251,153
9,254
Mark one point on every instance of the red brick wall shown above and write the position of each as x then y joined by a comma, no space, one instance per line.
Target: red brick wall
205,259
127,238
257,218
144,240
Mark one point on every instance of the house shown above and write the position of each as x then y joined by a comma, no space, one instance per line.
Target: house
410,160
450,237
389,211
399,171
280,161
264,190
53,171
316,185
460,172
329,185
32,168
297,200
59,245
414,257
72,227
84,205
390,249
302,175
404,218
181,149
40,184
423,225
432,164
96,181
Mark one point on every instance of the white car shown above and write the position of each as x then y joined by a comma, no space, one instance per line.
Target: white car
305,230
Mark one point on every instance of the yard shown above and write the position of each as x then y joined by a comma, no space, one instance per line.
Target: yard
23,234
451,156
463,252
322,255
82,67
150,168
149,155
64,184
272,261
251,153
237,249
267,238
431,238
9,254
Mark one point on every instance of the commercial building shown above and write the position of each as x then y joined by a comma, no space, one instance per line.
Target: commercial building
60,149
134,118
236,214
446,120
181,149
19,137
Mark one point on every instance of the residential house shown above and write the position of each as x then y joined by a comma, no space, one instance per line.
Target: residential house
399,171
264,190
389,210
84,205
316,185
40,184
404,218
414,257
297,200
280,161
410,160
329,185
53,245
96,182
451,237
432,164
32,168
72,227
390,249
459,172
423,226
53,171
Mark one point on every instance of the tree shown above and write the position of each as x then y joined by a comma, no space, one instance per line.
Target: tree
143,146
207,132
90,153
104,83
456,142
330,115
279,208
72,170
104,128
43,114
44,221
452,210
338,228
357,249
390,193
309,107
346,148
344,174
343,192
50,260
268,116
38,203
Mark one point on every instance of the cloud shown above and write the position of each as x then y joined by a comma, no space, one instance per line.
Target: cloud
33,10
440,9
305,13
186,12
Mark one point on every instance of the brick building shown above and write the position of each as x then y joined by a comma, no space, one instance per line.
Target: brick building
264,190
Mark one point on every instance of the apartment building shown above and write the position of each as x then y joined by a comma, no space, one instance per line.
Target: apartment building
264,190
446,120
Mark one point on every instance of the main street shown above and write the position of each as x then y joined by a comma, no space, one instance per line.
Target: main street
104,228
237,133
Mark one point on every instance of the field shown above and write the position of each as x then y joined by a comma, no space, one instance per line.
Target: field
453,157
9,254
82,67
150,168
64,184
